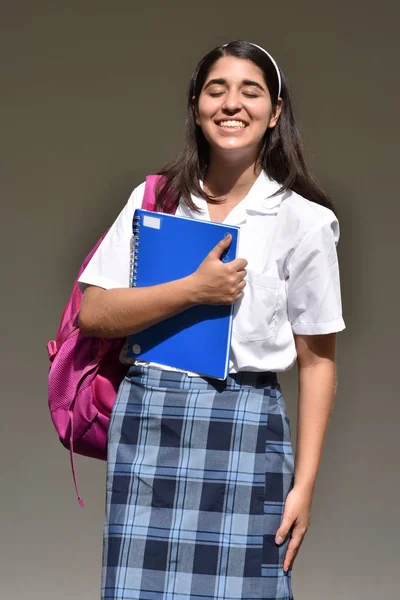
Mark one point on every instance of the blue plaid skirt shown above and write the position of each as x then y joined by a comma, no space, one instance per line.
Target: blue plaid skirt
198,471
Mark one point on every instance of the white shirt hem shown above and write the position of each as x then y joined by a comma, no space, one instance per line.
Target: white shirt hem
99,281
319,328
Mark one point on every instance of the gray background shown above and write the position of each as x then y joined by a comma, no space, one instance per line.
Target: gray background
92,99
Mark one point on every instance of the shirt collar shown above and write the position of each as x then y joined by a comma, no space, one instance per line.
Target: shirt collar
259,200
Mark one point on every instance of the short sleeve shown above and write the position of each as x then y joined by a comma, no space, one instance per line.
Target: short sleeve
313,285
109,266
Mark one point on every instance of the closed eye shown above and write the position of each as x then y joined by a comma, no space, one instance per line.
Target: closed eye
247,95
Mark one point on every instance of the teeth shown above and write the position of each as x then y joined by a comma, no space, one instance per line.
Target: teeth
232,124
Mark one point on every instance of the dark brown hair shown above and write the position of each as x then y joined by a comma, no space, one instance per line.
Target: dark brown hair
282,154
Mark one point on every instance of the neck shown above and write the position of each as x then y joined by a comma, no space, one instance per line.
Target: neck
224,177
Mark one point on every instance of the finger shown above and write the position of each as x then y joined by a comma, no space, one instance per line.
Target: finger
284,529
222,245
241,275
292,551
238,264
238,296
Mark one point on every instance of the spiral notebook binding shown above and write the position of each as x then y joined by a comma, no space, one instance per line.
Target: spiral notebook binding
135,243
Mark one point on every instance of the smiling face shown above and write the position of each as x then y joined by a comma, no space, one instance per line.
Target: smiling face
234,108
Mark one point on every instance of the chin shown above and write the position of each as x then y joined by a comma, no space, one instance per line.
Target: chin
231,148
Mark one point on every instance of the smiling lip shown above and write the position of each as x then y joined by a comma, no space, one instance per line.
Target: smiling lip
231,128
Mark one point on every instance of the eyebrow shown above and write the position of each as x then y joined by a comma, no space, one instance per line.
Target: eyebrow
222,81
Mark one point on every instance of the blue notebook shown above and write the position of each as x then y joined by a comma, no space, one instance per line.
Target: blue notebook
167,247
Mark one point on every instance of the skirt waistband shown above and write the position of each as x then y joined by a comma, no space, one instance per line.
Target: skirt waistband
154,377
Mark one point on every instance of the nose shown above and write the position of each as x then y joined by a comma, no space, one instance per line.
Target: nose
232,102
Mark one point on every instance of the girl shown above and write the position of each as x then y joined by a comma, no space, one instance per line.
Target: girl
203,500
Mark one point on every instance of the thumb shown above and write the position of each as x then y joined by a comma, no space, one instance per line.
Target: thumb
283,530
220,248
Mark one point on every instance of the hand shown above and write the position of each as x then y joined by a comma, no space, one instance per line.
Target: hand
216,282
296,515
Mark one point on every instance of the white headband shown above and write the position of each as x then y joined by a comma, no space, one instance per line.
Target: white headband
278,73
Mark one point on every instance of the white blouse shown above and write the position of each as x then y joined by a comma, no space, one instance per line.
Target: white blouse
293,283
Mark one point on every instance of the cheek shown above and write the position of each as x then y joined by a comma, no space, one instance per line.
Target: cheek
261,115
205,110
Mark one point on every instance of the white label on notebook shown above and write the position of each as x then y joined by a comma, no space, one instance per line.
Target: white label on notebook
153,222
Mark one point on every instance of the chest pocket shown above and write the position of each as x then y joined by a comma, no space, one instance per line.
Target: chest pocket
255,314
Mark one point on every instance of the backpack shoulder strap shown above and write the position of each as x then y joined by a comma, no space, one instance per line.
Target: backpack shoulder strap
149,198
89,256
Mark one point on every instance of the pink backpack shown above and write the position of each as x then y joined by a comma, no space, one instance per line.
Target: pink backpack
85,374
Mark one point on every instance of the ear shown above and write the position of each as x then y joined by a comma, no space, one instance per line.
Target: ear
195,111
276,113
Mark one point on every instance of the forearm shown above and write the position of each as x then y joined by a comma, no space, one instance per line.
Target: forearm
122,311
317,383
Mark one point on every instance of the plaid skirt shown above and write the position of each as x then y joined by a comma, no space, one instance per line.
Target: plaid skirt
198,471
